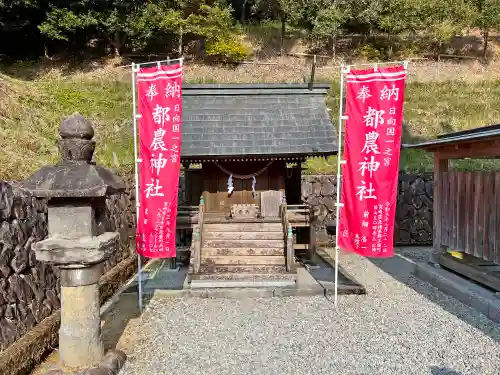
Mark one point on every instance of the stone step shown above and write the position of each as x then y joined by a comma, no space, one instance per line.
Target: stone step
208,219
207,234
242,243
213,251
245,260
264,283
245,276
230,268
244,227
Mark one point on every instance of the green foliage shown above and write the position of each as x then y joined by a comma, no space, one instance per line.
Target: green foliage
209,22
166,25
60,23
369,53
227,49
134,24
329,21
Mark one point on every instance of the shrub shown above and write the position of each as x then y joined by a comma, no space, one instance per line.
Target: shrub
227,50
369,53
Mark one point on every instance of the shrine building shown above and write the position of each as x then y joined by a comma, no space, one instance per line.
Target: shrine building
242,150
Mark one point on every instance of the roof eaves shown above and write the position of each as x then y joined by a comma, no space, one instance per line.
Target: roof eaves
253,89
262,155
456,139
246,86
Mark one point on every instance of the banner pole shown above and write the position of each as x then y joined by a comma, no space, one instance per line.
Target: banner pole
136,171
339,180
180,59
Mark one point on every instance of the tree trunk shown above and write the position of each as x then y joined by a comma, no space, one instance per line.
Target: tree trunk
282,37
180,42
243,12
486,34
116,43
46,50
334,45
390,45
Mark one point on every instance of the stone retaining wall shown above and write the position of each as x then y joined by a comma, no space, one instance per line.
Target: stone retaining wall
29,290
413,224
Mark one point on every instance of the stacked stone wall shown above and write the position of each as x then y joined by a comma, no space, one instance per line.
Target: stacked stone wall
413,224
30,290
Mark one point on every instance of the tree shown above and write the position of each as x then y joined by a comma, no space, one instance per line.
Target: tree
441,20
289,12
396,17
487,17
329,23
114,20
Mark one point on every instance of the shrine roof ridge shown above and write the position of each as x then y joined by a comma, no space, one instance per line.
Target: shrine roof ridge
224,120
232,89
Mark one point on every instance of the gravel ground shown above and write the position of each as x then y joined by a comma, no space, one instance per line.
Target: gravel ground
401,327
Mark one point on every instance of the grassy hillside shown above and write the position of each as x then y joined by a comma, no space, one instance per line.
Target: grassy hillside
32,106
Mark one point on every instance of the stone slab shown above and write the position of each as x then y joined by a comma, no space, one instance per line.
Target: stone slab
84,251
208,252
258,260
241,284
245,276
243,227
254,268
208,234
242,243
467,292
325,275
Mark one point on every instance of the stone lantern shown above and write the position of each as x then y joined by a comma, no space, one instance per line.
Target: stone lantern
76,189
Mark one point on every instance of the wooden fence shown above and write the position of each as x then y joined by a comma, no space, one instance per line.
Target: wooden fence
470,213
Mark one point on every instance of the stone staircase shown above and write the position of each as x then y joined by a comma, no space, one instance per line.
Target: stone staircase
243,254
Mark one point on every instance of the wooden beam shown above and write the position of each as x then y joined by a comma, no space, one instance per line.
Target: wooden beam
470,267
312,234
478,149
440,166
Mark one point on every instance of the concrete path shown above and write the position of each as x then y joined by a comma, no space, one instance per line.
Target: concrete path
403,326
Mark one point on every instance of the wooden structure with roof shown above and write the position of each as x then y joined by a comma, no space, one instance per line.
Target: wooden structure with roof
467,205
257,134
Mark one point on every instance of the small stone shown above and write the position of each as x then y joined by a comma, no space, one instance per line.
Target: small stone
8,330
316,188
328,189
306,189
55,372
322,237
6,235
418,186
328,202
114,360
20,261
97,371
6,200
429,189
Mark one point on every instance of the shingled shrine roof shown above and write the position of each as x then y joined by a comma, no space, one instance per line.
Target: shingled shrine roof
256,120
460,137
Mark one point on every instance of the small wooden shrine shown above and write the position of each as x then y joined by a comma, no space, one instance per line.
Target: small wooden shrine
467,205
242,149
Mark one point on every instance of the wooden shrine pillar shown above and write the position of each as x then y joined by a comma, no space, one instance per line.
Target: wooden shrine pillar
440,167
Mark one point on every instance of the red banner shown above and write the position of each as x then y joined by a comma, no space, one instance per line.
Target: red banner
373,128
160,106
